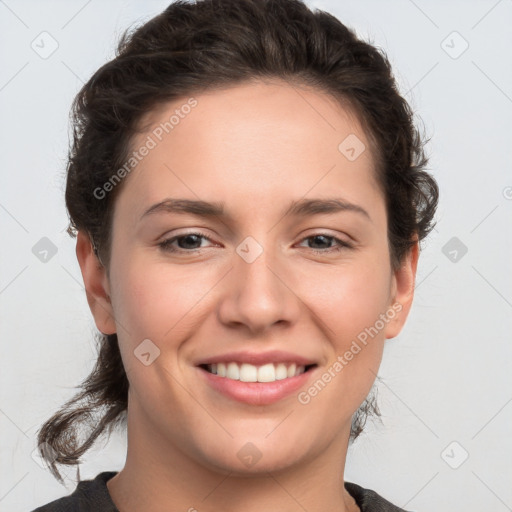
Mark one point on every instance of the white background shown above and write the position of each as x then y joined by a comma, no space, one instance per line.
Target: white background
445,378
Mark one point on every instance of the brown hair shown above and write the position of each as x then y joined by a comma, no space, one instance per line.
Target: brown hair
194,47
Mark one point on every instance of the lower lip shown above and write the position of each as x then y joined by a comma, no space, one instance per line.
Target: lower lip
257,393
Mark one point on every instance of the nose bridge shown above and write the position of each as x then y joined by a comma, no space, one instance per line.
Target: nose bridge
257,294
258,265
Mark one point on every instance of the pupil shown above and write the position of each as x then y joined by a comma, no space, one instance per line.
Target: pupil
316,237
188,237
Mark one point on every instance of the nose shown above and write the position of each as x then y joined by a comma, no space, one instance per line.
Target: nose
259,293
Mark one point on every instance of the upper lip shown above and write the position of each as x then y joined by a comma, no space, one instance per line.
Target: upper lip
258,358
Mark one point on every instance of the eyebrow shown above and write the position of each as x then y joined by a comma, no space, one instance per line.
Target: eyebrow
299,208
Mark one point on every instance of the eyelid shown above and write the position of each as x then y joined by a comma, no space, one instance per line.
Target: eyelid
342,236
314,232
165,243
340,243
191,231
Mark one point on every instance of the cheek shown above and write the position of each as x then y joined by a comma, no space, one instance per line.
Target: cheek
157,301
349,299
351,316
350,303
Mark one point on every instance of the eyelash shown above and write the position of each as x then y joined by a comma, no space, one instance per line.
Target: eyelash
165,245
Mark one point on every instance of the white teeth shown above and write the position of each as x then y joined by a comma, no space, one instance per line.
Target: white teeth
233,372
250,373
281,371
267,373
291,370
221,369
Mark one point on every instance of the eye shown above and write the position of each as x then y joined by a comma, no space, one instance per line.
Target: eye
191,243
186,242
324,238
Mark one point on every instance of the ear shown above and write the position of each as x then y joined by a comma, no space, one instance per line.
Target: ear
402,292
96,284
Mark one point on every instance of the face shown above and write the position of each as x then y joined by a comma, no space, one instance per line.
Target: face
290,285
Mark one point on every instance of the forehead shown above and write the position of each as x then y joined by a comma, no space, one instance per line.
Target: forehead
255,107
271,89
252,141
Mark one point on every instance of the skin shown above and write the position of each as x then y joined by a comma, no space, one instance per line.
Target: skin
255,147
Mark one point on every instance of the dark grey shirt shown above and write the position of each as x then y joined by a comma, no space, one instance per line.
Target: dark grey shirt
93,496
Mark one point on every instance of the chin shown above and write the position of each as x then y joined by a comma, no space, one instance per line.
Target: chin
251,456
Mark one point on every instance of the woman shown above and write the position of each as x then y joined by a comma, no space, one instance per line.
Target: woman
248,193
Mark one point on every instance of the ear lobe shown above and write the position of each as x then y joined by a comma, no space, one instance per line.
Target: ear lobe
96,284
404,281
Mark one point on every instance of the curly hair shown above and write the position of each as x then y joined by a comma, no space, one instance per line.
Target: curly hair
205,45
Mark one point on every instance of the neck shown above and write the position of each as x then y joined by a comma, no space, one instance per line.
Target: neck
158,475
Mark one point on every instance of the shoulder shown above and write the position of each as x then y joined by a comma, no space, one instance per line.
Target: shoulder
89,495
369,501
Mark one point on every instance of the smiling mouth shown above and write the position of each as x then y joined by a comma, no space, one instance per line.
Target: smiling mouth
246,372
